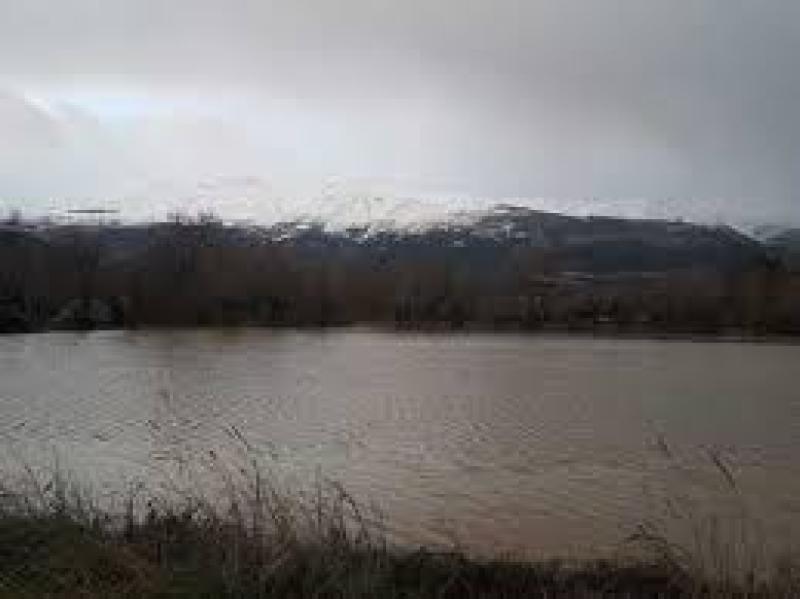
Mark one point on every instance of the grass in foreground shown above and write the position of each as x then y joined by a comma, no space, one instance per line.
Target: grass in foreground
262,543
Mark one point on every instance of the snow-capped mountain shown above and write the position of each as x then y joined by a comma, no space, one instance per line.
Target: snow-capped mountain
374,217
336,206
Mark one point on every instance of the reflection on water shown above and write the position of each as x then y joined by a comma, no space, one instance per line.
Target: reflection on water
536,444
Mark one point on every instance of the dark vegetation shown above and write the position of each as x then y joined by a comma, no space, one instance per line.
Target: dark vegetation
182,555
513,268
259,542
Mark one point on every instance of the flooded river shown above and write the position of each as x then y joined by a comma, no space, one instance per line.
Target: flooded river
506,443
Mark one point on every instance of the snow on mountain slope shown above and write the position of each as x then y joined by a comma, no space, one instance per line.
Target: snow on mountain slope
342,204
336,206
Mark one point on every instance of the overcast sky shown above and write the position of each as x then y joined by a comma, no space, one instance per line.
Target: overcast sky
684,107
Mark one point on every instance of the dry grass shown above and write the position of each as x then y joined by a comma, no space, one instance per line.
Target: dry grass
259,541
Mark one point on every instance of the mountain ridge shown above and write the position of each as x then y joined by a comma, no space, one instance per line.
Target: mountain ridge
602,243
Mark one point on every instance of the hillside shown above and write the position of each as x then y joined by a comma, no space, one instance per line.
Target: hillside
590,244
509,266
786,245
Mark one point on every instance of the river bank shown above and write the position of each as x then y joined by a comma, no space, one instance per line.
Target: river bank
603,331
55,542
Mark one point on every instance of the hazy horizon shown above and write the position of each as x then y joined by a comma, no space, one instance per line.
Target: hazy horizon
341,206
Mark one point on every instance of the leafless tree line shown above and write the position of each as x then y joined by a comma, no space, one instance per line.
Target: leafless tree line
197,272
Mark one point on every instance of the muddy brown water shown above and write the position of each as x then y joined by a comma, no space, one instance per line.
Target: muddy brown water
499,442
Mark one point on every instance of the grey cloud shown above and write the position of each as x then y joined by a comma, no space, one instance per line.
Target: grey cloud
622,98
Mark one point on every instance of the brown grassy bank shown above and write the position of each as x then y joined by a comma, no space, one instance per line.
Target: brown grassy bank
262,542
